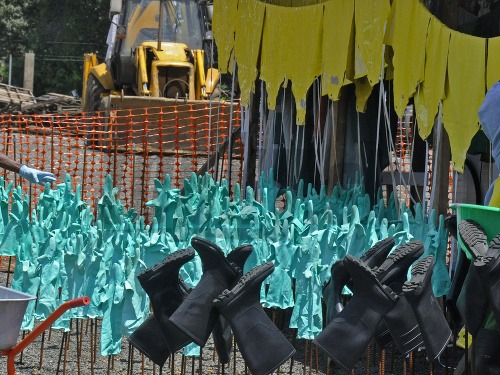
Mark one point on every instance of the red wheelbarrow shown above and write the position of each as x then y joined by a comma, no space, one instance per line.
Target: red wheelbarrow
13,305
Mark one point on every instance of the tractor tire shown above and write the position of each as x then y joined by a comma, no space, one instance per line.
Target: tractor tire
93,94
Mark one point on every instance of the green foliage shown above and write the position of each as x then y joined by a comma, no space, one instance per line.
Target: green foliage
59,33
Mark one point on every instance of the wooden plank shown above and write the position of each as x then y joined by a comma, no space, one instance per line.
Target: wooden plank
16,95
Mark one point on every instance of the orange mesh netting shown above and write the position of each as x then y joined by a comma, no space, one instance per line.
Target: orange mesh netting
134,145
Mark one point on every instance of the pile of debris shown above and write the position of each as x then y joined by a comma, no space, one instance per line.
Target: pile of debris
18,100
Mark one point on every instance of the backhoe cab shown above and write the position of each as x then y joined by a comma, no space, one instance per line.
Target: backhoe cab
158,51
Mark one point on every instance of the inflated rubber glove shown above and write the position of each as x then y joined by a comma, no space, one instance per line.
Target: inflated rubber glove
280,292
36,176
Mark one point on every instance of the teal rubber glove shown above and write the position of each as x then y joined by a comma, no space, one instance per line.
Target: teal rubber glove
36,176
280,292
307,312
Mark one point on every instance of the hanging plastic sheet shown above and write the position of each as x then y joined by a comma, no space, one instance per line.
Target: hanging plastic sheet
291,50
337,45
432,90
407,35
224,25
249,29
492,65
363,91
466,79
370,19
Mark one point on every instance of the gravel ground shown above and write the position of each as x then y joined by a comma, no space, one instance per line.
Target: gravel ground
78,353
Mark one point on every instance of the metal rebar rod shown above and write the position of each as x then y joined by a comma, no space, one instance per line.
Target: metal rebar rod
8,272
40,363
129,358
234,356
61,352
200,363
368,354
381,370
80,340
66,348
183,365
305,357
294,341
21,355
91,347
109,365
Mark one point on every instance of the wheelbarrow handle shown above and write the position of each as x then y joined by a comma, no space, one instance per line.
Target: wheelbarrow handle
77,302
21,345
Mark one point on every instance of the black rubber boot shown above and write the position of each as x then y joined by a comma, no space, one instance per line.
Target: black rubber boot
239,255
457,283
488,269
156,338
400,324
432,323
451,224
261,343
347,336
472,302
487,346
196,316
149,340
332,291
222,335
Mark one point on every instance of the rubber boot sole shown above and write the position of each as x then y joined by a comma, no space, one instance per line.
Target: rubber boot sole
256,275
473,237
393,272
174,261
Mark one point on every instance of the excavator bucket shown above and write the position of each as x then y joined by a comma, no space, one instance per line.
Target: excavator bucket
160,125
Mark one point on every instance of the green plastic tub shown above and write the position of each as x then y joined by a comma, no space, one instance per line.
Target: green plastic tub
486,216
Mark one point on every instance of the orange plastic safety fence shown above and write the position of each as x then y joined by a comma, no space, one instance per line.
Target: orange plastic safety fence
134,145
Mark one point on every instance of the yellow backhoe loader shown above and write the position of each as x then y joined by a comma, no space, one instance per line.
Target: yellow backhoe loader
157,50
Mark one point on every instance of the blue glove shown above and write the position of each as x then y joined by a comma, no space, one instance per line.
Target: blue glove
35,176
